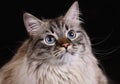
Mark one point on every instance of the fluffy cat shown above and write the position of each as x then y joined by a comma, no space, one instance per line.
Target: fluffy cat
57,52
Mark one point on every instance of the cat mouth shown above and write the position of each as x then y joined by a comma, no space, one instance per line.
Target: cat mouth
70,52
63,52
67,52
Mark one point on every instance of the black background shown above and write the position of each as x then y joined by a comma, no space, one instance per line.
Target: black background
100,16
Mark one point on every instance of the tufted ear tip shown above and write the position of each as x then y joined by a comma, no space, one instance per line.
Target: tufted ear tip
73,12
27,15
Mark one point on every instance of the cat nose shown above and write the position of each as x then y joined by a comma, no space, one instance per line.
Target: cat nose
65,45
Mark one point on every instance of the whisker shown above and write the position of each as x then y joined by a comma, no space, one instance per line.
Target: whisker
105,53
105,39
75,47
103,50
58,54
56,51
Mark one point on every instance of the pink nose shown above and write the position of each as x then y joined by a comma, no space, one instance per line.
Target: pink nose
66,45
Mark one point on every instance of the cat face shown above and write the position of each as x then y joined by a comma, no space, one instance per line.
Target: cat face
61,38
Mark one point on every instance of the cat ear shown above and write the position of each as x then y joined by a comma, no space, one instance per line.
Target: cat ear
73,12
32,23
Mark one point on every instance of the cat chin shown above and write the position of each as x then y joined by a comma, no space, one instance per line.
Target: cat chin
65,56
62,59
66,52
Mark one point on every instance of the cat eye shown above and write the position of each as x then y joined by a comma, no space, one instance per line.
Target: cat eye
71,34
50,39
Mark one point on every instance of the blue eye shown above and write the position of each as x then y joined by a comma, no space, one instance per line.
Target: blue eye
71,34
50,39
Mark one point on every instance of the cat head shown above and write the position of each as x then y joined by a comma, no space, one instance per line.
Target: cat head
57,39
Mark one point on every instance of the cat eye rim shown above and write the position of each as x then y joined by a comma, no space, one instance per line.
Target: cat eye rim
50,40
71,35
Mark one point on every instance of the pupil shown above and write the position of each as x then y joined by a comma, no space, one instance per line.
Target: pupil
50,39
71,34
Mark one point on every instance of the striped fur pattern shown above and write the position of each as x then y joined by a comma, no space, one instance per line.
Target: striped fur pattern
52,55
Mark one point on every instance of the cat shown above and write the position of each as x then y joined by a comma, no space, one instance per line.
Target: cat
58,51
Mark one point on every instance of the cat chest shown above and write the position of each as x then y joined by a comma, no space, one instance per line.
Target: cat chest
61,75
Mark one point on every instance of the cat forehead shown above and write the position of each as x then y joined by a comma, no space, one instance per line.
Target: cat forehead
60,23
58,26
